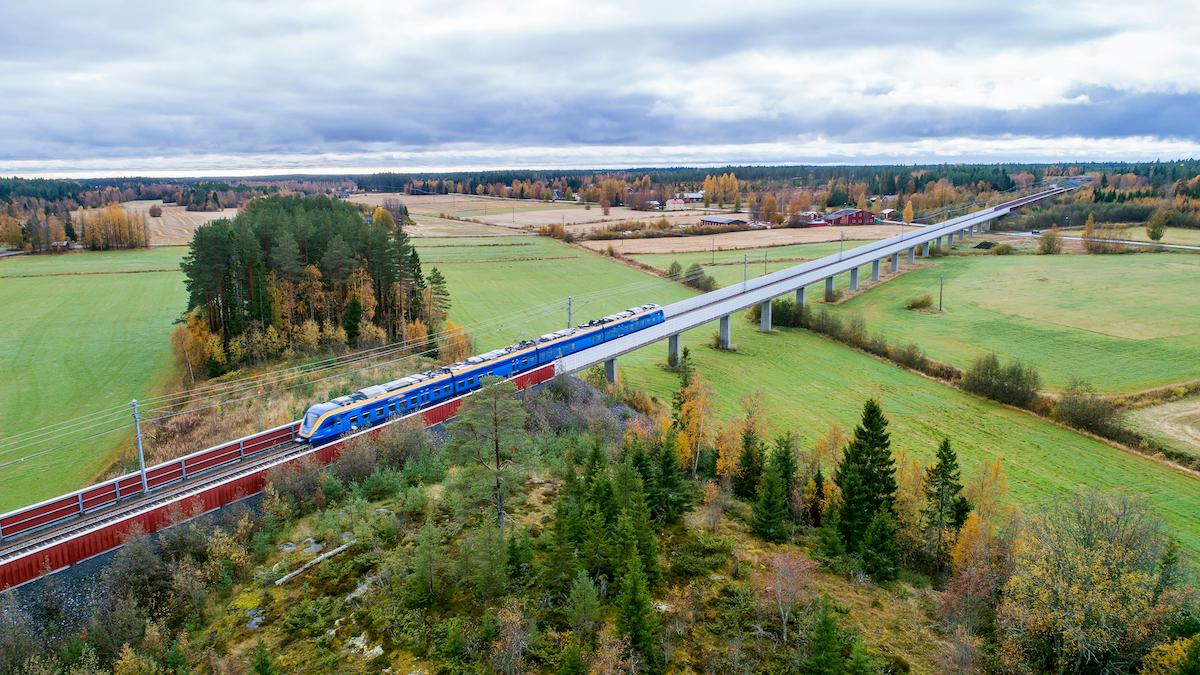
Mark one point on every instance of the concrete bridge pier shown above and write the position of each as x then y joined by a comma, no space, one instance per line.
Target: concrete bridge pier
962,234
800,298
764,316
854,278
874,270
925,250
610,370
673,353
912,255
725,342
938,242
895,262
828,286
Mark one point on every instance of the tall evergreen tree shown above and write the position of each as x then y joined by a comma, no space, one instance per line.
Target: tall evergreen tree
770,514
826,644
353,318
785,454
945,507
878,550
815,506
749,469
669,498
866,476
635,614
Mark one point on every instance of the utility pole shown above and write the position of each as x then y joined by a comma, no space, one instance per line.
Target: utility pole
568,311
941,284
137,426
745,269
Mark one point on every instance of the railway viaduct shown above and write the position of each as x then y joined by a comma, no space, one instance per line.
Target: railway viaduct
63,531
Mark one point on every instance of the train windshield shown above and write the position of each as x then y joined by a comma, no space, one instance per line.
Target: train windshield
309,420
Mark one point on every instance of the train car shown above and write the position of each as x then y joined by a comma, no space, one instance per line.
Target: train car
377,404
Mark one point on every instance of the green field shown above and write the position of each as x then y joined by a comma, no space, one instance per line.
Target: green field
1174,235
72,344
810,382
1122,322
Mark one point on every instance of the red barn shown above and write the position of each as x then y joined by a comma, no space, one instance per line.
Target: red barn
850,217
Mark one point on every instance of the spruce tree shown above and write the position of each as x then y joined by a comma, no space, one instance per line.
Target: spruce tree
749,471
815,507
879,552
943,502
668,499
583,605
770,514
635,614
826,644
572,663
866,476
643,531
785,454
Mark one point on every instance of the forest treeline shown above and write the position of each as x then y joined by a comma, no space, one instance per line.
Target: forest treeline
293,275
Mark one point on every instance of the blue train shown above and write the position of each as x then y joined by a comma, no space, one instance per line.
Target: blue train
373,405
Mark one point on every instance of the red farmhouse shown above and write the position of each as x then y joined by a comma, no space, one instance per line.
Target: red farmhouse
850,217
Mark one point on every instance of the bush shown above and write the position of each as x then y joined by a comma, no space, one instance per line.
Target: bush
920,302
1014,384
700,554
382,484
297,483
1003,249
911,356
1049,243
1081,408
312,616
400,442
356,461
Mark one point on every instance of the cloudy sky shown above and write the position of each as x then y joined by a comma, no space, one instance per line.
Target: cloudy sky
218,87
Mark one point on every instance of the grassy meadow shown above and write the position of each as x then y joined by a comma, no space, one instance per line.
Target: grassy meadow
809,382
727,266
81,332
1122,322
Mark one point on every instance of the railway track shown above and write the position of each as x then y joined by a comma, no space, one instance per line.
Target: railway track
30,543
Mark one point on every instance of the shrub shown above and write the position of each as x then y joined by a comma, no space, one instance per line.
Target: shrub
400,442
1081,408
311,616
296,483
156,211
1003,249
698,554
382,484
1014,384
920,302
356,462
1049,243
911,356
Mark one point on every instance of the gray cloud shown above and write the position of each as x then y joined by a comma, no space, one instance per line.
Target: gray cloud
85,83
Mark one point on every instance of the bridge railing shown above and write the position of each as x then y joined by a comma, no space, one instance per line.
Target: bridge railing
109,492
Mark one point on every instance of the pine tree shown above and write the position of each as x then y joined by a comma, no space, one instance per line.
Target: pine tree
424,583
635,614
749,471
878,550
943,502
770,513
866,476
643,530
829,539
440,294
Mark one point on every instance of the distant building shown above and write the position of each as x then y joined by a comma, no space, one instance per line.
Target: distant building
721,220
850,217
692,197
676,204
887,214
653,204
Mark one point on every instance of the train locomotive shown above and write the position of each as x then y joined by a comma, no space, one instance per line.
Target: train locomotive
367,407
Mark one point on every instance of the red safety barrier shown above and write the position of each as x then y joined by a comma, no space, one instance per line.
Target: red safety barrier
107,537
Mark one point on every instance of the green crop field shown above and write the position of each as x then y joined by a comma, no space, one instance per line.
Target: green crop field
80,333
1122,322
808,381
